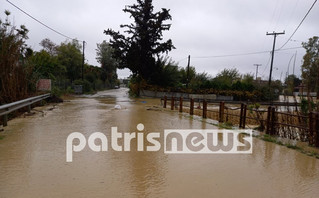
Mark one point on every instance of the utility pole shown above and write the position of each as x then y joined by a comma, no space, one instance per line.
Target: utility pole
189,60
257,65
273,52
83,61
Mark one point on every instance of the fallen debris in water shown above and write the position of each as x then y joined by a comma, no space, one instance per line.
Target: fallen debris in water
117,107
153,108
29,114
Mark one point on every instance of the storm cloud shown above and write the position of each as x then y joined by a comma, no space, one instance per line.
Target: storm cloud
212,32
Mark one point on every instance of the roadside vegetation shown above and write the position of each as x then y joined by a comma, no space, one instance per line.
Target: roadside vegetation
142,49
21,67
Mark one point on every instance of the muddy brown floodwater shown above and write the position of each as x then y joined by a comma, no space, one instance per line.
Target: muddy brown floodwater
33,158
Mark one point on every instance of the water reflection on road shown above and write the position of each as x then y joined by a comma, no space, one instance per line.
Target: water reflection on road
32,158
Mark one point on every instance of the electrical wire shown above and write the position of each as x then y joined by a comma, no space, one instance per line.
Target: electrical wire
229,55
61,34
288,48
266,65
241,54
291,14
182,59
299,24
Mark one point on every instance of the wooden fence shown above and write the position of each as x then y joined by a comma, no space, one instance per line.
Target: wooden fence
292,125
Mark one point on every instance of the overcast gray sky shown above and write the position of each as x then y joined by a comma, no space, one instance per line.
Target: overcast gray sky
200,28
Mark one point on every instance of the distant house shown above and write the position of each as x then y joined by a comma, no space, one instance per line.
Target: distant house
301,90
261,82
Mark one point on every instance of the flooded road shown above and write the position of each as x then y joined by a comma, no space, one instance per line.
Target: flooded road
33,158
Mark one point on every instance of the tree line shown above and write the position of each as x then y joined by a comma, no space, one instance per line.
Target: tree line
143,50
21,67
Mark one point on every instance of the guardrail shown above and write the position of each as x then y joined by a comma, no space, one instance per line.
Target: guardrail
8,108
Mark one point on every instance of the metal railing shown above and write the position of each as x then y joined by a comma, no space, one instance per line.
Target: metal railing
8,108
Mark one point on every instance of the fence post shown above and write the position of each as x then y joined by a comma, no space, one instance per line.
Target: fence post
191,108
165,101
221,111
316,136
5,120
310,136
204,109
29,108
273,116
268,120
244,116
172,103
241,115
181,104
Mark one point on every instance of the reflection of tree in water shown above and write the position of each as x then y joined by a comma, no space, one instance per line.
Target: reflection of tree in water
148,173
268,154
147,168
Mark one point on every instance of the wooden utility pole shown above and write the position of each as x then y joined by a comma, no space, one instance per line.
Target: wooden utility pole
189,60
83,61
273,52
257,65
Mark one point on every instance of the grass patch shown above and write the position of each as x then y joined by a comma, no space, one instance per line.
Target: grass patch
224,125
1,137
269,138
293,147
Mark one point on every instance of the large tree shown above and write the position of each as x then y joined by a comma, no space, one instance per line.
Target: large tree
70,57
104,54
228,76
14,53
310,66
109,65
291,82
49,46
142,47
46,65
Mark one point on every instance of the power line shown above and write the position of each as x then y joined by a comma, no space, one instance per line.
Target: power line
299,24
182,59
41,22
241,54
228,55
262,74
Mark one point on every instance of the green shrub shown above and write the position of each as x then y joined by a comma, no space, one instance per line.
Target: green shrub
99,85
56,92
87,86
69,90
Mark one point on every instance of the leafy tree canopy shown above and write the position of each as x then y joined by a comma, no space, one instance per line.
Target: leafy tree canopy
104,54
70,57
138,51
310,66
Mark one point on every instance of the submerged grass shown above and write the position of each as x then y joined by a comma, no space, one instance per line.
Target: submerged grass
273,139
225,125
